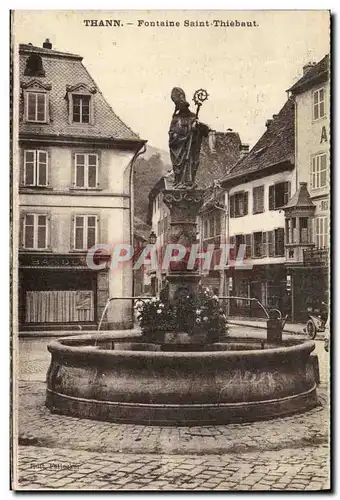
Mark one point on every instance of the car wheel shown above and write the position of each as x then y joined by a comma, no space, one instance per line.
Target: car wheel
311,330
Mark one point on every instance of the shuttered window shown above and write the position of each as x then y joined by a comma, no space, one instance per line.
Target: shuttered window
258,200
279,242
248,246
319,104
238,204
233,251
279,195
270,242
257,244
321,231
319,171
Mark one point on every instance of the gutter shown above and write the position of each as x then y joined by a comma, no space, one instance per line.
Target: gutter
53,139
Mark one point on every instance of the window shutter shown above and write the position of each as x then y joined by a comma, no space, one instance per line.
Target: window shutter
272,197
98,236
49,232
264,250
22,168
286,192
21,230
73,170
270,242
248,247
42,168
233,251
280,241
48,160
232,206
73,232
29,168
245,203
261,199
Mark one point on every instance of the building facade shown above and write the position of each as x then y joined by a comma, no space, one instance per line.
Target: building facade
75,158
256,190
159,220
311,94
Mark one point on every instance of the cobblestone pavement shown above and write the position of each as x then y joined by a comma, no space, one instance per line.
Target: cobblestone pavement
46,468
39,427
61,452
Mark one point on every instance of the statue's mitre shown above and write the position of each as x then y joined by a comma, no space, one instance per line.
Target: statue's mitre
178,95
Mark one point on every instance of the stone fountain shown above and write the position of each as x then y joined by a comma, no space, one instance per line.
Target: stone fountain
122,378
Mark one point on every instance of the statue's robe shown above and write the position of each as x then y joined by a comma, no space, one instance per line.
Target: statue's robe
185,143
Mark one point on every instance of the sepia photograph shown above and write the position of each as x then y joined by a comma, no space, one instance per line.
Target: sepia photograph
170,250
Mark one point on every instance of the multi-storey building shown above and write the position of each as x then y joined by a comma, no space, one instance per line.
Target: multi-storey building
256,190
307,257
74,192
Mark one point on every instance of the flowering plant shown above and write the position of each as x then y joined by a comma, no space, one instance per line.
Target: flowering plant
192,314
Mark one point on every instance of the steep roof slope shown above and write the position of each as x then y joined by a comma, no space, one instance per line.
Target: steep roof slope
316,74
275,146
215,164
62,69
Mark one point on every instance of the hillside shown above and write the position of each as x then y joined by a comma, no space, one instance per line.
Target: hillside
148,169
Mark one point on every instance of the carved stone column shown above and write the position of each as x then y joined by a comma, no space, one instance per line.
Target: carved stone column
184,205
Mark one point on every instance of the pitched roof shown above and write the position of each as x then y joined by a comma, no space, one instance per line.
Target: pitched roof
316,74
61,70
275,146
301,198
215,164
27,48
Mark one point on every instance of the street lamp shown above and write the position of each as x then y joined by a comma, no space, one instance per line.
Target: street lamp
152,238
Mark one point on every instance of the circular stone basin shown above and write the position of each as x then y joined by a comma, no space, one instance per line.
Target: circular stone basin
103,377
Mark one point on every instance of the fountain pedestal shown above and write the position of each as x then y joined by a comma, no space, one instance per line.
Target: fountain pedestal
184,205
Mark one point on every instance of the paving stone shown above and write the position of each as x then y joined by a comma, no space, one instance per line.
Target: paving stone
280,454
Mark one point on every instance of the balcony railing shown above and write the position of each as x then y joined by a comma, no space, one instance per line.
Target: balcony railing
316,257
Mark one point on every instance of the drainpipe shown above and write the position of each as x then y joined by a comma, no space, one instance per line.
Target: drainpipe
296,145
132,163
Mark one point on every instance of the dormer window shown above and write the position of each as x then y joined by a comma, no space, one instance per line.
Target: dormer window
36,107
81,108
80,101
36,102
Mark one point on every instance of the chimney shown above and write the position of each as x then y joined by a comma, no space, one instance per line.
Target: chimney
244,150
268,122
47,44
307,67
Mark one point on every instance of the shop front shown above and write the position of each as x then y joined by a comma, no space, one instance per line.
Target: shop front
58,292
266,283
